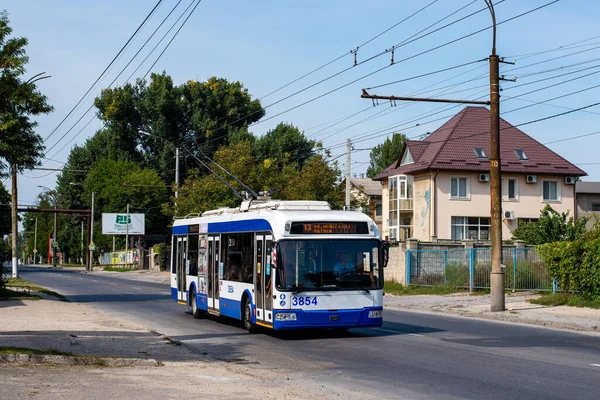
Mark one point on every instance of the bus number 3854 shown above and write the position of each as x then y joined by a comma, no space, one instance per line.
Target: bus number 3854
304,301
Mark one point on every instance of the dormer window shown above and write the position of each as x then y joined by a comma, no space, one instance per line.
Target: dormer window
407,158
480,153
521,155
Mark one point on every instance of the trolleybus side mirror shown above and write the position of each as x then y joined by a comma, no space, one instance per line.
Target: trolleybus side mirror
385,245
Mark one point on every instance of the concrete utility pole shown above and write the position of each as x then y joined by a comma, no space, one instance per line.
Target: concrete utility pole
177,171
348,161
54,245
15,223
497,274
91,265
35,243
126,233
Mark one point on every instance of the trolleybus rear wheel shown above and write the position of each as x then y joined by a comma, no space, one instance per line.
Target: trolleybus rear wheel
247,317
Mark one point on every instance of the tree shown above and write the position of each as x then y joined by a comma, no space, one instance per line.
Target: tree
285,142
199,116
551,227
19,101
383,155
317,181
122,182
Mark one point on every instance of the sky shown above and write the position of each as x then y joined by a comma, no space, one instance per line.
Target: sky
268,44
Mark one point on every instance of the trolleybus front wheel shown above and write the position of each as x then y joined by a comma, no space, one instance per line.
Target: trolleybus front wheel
196,312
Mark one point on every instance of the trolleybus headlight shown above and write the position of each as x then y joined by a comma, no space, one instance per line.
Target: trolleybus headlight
375,314
285,316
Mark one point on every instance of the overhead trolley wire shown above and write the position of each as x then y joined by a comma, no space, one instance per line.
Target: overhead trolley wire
123,70
106,69
387,51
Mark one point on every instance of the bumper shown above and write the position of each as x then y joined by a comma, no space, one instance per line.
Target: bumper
324,319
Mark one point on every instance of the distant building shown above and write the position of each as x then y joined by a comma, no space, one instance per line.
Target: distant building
439,186
369,190
588,200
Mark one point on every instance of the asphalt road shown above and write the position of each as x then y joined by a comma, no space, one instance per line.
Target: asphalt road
413,355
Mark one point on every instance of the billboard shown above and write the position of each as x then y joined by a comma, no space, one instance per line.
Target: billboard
117,224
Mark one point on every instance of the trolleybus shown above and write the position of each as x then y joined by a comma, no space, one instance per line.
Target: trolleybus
280,265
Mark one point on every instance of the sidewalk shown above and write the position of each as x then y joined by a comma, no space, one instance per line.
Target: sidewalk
518,309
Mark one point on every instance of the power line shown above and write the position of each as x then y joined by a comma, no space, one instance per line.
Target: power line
106,69
387,51
346,53
123,70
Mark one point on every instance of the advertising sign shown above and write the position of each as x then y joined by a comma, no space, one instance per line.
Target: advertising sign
117,224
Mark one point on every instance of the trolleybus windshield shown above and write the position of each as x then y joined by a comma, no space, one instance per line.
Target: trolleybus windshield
329,264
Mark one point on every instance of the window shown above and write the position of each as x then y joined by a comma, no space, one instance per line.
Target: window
551,191
407,158
378,208
510,189
479,152
192,258
521,155
238,253
459,188
526,220
595,206
334,264
476,228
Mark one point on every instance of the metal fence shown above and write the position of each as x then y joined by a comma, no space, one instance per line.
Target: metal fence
470,268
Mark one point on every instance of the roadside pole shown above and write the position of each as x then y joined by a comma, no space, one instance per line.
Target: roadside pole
35,243
15,223
348,162
92,246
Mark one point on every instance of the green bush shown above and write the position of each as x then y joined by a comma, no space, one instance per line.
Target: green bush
161,249
576,265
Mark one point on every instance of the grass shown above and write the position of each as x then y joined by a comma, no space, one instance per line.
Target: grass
401,290
7,294
25,350
119,269
567,299
18,282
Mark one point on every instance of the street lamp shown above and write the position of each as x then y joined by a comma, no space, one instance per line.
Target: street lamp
52,193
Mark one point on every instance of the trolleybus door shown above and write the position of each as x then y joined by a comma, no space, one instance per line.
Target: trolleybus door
263,284
213,272
181,268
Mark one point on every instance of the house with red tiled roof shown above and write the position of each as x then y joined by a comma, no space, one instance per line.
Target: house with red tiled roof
439,187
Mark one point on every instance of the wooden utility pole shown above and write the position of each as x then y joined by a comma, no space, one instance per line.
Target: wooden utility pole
497,273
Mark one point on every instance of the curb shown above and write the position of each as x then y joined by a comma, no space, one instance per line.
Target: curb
501,317
78,360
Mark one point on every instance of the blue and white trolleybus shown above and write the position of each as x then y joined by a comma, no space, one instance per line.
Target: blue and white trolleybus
280,265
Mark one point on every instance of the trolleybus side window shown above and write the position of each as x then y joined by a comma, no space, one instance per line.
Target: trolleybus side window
238,257
193,254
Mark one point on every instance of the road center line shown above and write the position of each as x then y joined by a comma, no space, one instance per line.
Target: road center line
595,365
391,331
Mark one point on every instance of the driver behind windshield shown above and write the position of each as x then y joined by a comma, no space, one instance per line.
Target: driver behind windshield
343,265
